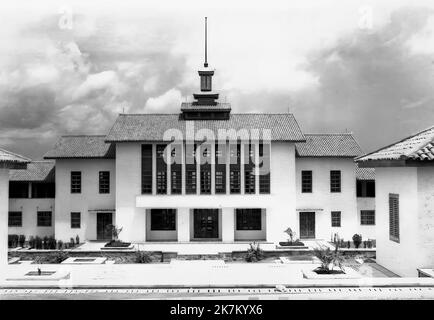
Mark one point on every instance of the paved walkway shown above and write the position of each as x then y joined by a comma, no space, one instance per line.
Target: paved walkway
190,274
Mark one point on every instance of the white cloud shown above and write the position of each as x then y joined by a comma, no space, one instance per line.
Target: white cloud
168,102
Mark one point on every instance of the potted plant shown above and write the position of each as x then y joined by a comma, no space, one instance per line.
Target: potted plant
254,253
115,231
291,241
357,239
329,259
21,240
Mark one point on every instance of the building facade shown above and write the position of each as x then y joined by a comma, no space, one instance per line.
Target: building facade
203,174
404,202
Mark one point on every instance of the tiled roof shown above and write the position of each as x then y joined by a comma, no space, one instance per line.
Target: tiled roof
221,106
329,145
81,147
419,146
36,171
7,156
152,127
365,173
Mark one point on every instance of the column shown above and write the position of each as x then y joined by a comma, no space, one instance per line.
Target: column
154,169
242,184
213,167
228,225
183,224
4,205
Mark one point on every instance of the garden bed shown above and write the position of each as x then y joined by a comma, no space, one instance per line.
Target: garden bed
348,273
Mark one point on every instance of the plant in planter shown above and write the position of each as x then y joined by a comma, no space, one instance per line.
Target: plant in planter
21,240
329,259
38,242
291,241
77,239
254,253
357,239
32,242
13,240
71,242
115,231
142,257
60,245
348,244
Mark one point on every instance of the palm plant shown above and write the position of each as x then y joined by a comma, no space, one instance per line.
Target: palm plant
329,258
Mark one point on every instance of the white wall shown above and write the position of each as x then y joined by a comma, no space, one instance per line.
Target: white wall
322,198
402,258
128,187
89,198
425,222
4,204
29,209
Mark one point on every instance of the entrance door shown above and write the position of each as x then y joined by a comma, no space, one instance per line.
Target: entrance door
206,223
103,221
307,225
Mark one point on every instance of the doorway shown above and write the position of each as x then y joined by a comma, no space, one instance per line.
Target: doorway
307,225
103,221
206,223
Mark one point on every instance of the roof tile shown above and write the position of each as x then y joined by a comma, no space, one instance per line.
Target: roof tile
329,145
81,147
36,171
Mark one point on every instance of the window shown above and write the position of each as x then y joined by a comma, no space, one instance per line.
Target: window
205,169
249,219
163,219
306,181
146,168
335,181
161,170
249,169
394,217
104,182
220,168
43,190
365,188
367,217
44,219
75,220
264,168
336,218
75,181
15,219
18,189
176,169
190,169
235,166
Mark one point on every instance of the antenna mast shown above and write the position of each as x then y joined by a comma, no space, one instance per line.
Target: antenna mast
206,35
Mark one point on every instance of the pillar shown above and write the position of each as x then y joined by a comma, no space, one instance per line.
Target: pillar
4,205
183,224
228,225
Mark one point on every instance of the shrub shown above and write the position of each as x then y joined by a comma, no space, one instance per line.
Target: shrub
329,258
60,245
142,257
22,240
357,239
12,240
32,243
51,243
348,244
254,253
53,257
38,242
45,242
71,242
77,240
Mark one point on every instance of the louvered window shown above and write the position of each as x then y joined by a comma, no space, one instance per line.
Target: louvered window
394,217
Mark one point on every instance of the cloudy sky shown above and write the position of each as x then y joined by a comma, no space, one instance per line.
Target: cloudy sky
70,67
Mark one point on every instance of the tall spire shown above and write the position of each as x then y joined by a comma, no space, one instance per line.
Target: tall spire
206,44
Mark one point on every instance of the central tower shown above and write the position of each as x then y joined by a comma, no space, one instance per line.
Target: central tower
206,104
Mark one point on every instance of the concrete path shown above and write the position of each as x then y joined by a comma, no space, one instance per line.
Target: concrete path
186,275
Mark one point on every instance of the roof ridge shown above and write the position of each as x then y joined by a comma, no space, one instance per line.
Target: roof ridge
15,154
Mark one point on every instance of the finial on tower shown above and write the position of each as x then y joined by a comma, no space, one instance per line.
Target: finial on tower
206,36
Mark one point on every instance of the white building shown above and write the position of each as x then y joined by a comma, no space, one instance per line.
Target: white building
306,182
405,203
